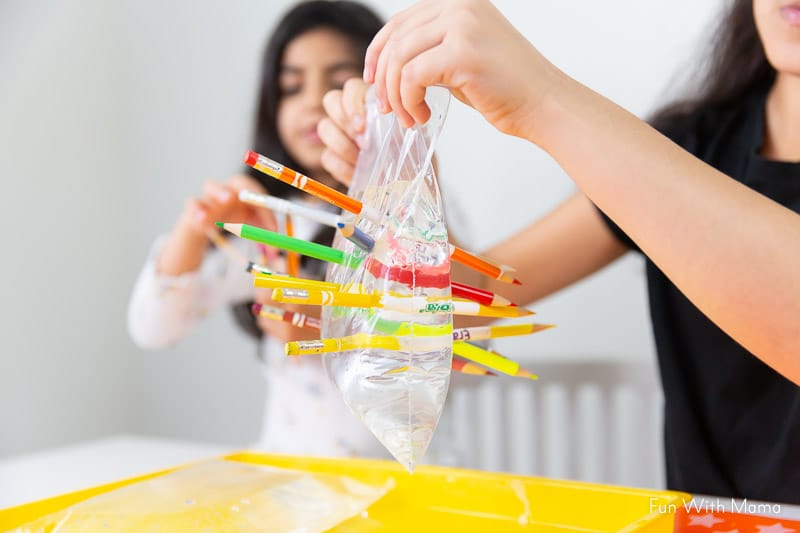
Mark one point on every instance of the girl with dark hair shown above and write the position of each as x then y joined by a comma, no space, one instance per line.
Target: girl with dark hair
315,47
710,197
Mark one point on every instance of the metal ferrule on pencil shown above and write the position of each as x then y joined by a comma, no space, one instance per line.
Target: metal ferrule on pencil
295,293
265,161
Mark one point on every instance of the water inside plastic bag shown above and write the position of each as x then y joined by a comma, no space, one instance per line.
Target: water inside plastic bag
398,395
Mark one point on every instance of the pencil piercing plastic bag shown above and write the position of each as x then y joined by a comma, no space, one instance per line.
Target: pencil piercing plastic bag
220,496
398,392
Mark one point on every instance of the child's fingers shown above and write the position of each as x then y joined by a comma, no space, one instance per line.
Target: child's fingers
243,181
219,201
242,212
263,218
217,193
390,55
354,94
340,169
415,36
333,105
375,48
337,141
421,72
384,34
197,215
402,51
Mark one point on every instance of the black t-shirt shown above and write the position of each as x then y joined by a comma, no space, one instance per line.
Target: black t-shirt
732,424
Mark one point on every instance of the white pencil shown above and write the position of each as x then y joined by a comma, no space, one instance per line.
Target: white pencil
279,205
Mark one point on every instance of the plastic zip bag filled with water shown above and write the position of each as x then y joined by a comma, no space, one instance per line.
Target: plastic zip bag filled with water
398,393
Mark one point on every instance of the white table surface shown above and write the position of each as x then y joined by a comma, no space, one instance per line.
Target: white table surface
31,477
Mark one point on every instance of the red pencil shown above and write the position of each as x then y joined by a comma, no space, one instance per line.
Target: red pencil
465,367
332,196
297,319
483,297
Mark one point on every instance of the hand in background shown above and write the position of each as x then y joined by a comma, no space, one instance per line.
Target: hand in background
341,130
220,203
188,241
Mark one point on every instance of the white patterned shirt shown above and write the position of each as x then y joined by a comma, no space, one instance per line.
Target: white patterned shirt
304,413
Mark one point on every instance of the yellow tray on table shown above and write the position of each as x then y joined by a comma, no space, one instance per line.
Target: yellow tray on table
450,499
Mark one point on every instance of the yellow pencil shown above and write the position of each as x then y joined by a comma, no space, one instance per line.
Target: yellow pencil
277,281
348,299
481,333
492,360
365,341
406,304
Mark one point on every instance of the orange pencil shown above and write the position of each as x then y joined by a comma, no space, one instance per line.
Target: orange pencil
465,367
302,182
332,196
292,259
485,267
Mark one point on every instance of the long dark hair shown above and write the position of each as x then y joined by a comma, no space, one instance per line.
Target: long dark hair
736,65
353,20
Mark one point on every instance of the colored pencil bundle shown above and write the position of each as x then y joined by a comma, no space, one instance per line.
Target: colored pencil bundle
405,304
388,300
302,320
362,341
351,205
467,300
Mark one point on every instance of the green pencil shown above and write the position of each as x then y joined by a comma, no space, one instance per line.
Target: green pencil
292,244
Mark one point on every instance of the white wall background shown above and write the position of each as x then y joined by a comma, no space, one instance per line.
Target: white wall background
111,113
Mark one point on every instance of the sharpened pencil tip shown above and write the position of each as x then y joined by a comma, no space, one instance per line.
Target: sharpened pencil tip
340,225
220,224
516,282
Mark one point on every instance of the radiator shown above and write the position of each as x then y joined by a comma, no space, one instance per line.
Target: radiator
596,421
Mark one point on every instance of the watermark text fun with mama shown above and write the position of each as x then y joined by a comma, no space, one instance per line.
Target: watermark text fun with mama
717,505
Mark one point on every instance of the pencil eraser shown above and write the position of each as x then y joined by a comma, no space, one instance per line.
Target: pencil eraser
250,158
256,308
